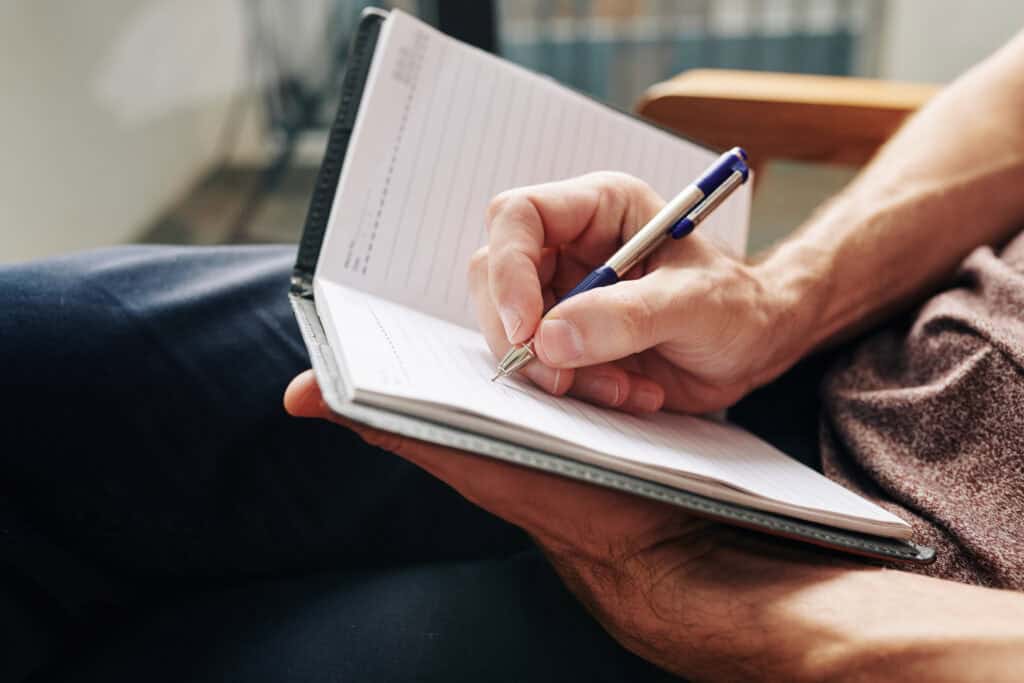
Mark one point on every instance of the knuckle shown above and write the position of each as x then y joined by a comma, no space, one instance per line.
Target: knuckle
614,185
520,220
497,205
514,203
623,186
624,196
478,262
611,178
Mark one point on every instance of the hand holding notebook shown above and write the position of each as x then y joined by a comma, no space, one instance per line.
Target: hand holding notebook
428,132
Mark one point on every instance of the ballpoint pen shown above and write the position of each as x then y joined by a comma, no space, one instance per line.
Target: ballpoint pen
676,219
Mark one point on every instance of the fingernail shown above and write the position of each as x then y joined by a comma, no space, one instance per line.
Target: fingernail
601,389
511,320
646,400
546,378
560,341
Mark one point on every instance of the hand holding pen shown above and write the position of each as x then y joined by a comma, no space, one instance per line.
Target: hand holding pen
678,332
676,220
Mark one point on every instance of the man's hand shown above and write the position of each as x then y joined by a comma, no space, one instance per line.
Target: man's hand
624,556
690,330
710,603
694,332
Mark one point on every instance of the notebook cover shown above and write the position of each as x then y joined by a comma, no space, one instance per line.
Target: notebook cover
334,391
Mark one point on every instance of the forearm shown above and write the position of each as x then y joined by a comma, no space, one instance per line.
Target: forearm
871,624
909,627
740,613
949,181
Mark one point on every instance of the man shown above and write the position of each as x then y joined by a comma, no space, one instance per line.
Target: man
160,508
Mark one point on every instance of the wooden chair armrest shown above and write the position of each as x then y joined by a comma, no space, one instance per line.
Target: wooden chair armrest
783,116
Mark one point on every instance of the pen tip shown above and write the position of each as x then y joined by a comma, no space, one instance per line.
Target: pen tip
496,376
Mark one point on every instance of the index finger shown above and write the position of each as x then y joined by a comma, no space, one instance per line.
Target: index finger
593,213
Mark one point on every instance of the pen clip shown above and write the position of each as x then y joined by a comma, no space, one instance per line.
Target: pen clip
730,162
685,225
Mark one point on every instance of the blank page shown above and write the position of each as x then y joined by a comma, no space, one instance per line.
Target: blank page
442,128
402,353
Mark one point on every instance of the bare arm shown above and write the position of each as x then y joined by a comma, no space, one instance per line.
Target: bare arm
713,604
698,330
951,180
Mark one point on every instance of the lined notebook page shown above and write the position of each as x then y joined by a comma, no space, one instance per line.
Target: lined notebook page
403,353
442,128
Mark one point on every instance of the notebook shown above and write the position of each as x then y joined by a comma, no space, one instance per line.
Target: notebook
428,130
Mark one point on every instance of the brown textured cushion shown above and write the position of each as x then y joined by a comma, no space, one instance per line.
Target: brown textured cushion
928,421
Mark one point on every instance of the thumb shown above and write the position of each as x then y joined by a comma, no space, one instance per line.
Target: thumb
606,324
302,397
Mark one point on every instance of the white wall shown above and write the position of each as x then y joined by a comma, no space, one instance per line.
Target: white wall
935,40
108,112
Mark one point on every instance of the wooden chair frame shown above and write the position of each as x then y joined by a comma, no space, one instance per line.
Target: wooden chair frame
784,116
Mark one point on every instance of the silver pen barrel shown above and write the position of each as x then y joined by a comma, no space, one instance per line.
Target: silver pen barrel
638,247
716,198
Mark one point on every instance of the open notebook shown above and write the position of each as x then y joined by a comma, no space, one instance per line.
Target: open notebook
428,131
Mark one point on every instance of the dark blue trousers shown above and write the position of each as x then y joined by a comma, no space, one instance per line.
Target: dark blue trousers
163,519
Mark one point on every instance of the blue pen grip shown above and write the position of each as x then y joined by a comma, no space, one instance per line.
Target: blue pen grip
601,277
681,229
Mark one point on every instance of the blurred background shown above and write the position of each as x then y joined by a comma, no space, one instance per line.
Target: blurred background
203,121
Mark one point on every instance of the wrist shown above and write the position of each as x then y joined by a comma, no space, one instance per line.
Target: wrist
795,281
